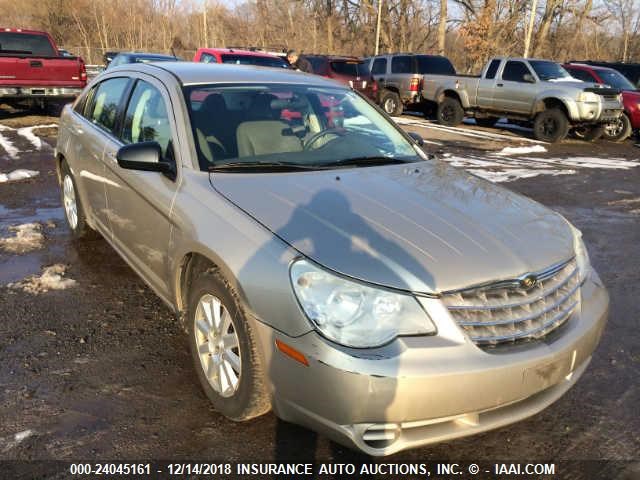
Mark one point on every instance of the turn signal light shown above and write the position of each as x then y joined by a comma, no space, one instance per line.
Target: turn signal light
291,352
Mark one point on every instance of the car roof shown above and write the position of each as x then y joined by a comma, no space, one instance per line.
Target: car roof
192,73
145,54
236,51
23,30
333,58
586,66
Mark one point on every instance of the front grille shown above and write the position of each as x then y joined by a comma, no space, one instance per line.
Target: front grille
611,98
505,312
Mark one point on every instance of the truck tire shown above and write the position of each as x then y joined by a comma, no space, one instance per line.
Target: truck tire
450,112
589,133
618,130
551,125
391,103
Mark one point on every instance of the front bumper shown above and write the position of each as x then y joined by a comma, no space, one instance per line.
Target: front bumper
421,390
597,112
11,92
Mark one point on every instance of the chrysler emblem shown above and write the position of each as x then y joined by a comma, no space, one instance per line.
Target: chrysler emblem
528,282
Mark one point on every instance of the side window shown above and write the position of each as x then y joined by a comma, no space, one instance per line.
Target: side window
379,66
105,103
146,118
515,71
493,68
401,64
208,58
581,75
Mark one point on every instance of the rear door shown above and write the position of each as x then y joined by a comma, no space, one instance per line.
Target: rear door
139,203
91,135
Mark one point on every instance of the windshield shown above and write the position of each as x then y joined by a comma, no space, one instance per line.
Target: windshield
255,60
296,125
26,44
352,69
615,79
550,70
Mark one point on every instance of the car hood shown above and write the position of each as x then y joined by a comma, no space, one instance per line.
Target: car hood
424,227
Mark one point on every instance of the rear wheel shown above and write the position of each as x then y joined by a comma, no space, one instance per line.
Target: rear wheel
551,125
450,112
391,103
589,133
618,130
224,349
73,209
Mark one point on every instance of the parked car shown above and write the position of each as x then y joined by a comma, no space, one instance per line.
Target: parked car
239,57
335,273
34,73
65,53
622,127
399,78
629,70
351,71
525,89
140,57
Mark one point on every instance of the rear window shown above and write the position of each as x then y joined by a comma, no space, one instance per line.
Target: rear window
353,69
255,60
26,44
434,65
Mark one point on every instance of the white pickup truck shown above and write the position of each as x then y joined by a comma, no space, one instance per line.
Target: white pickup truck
527,90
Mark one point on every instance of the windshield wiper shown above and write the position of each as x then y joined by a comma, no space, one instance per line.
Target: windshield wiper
366,161
283,166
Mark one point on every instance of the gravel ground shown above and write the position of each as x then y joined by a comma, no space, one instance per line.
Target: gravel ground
100,370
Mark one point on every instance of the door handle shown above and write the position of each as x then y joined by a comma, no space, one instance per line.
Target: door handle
35,63
500,85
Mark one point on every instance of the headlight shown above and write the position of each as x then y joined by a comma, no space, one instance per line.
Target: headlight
582,256
354,314
588,97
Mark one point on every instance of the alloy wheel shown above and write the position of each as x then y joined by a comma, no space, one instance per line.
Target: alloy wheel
390,105
69,200
614,128
218,345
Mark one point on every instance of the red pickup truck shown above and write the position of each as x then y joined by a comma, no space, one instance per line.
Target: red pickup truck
33,72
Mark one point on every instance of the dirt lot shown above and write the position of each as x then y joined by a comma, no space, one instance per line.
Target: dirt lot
100,370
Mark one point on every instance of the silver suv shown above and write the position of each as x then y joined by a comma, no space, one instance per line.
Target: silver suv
322,264
399,78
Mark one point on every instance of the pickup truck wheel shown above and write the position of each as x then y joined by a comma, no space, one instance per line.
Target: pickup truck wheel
618,130
391,103
450,112
551,125
224,349
73,210
589,133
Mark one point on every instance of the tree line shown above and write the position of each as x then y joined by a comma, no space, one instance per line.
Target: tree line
467,31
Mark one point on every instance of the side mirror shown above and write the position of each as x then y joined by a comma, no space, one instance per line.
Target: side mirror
417,138
527,77
145,156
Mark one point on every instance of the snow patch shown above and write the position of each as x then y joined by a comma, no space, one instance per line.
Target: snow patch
19,174
28,237
8,147
8,443
36,141
52,278
516,174
520,150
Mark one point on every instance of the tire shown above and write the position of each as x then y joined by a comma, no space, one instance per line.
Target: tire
248,397
619,130
53,108
589,133
551,125
391,103
72,205
450,112
487,122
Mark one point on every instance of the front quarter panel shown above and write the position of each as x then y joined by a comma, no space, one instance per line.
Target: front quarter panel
251,258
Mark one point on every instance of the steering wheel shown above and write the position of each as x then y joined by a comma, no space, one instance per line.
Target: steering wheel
338,132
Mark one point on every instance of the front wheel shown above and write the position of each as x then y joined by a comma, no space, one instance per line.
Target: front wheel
391,103
618,130
450,112
224,349
551,125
